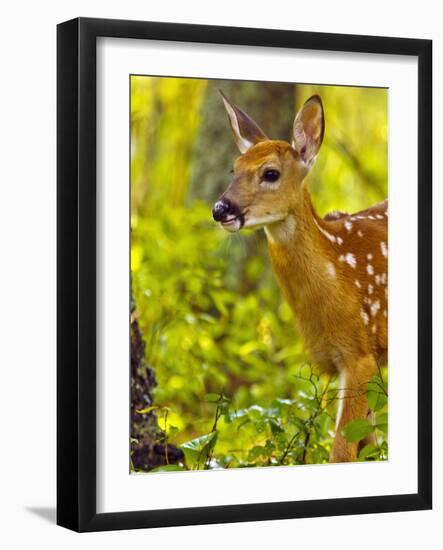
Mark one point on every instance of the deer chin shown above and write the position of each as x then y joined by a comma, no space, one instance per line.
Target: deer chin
233,225
282,230
263,221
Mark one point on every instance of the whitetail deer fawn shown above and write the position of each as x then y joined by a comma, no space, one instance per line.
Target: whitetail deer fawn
333,271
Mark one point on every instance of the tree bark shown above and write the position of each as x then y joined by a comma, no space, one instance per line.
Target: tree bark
149,448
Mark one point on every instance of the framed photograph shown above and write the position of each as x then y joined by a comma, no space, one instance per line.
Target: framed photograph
230,272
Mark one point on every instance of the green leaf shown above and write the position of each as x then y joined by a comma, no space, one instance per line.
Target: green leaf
196,450
260,426
376,399
298,422
207,318
198,443
275,427
269,448
212,397
369,451
382,422
243,423
236,414
357,429
218,301
256,452
255,415
147,410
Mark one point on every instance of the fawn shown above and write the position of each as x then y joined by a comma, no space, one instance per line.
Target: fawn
332,270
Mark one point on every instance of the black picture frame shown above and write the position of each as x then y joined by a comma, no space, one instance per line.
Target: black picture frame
76,273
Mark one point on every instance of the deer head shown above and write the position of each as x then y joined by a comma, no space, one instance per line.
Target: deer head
269,174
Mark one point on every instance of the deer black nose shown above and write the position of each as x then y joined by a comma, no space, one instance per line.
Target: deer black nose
221,210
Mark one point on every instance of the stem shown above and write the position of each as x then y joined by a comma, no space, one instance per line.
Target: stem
306,443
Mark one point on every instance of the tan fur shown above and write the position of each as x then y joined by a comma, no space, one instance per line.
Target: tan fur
330,294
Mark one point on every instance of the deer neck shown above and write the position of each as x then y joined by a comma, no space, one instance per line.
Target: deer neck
302,252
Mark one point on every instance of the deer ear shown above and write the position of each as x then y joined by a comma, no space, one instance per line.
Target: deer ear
308,130
246,132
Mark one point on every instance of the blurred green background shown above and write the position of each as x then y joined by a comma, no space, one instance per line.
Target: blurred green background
234,385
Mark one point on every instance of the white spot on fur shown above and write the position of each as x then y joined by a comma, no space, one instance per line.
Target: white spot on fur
369,256
370,289
339,240
330,269
377,279
379,216
374,328
357,284
350,259
334,215
384,249
348,226
359,233
371,218
375,307
370,269
325,233
364,316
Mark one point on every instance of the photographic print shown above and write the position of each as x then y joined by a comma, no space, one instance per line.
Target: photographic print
259,274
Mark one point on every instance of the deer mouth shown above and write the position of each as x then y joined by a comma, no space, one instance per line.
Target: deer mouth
234,223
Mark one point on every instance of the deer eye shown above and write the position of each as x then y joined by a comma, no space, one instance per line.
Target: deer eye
271,175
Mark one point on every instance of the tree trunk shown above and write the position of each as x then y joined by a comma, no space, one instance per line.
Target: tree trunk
148,442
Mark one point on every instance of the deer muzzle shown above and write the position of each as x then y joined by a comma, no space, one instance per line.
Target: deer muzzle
228,214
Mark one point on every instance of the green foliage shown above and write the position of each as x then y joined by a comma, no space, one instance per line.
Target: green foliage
234,388
357,429
377,394
198,450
